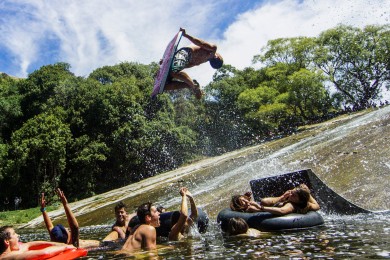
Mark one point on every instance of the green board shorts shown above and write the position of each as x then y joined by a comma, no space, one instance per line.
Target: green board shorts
181,59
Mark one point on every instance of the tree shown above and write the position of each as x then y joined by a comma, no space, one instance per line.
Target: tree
307,96
38,155
10,109
296,52
40,86
3,160
356,61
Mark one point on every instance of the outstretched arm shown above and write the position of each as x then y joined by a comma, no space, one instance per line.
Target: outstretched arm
175,231
46,218
286,209
194,209
37,254
36,245
72,221
201,43
312,204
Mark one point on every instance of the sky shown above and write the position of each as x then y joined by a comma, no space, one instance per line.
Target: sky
89,34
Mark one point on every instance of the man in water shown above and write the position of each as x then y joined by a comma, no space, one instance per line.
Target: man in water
120,226
11,248
144,235
59,233
188,57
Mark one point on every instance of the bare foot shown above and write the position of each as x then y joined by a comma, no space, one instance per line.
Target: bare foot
198,92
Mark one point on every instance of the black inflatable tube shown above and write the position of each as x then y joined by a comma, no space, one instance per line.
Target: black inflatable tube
265,221
165,222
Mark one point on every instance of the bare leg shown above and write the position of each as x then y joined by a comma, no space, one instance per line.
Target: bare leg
173,85
183,76
185,81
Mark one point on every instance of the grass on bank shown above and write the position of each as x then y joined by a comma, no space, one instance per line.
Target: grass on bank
18,217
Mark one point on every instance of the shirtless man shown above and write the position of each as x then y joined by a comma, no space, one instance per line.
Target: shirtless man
118,230
11,248
188,57
59,233
181,224
144,235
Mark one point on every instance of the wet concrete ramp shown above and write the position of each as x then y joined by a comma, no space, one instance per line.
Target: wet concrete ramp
330,201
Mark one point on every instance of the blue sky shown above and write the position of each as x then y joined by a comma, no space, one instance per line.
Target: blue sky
89,34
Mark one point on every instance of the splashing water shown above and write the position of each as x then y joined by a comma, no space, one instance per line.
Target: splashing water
350,154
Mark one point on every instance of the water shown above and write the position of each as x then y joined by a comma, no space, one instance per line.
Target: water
351,155
353,237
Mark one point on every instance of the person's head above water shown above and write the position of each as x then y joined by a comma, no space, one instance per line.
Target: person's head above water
216,62
237,226
9,239
121,213
148,214
240,202
59,234
300,197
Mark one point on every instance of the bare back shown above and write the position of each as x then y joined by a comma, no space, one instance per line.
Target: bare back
144,237
200,55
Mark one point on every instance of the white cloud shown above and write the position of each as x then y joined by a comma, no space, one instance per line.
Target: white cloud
290,18
94,33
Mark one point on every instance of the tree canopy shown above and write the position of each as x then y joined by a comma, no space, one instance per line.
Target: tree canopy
91,134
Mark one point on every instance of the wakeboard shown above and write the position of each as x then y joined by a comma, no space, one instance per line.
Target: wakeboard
165,65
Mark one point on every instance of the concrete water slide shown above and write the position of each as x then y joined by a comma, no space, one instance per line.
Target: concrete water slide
330,201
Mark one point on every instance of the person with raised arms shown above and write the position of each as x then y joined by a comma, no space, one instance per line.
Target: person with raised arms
61,234
181,223
198,53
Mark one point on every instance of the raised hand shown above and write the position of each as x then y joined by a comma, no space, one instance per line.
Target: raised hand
286,195
183,31
61,195
188,194
248,194
43,201
183,191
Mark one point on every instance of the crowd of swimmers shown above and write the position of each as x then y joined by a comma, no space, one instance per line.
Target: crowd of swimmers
141,234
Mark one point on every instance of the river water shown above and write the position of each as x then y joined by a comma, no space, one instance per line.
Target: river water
353,237
350,154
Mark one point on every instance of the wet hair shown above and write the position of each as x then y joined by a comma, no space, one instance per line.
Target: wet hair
120,205
175,218
144,210
303,196
59,234
160,208
236,204
237,226
4,235
216,63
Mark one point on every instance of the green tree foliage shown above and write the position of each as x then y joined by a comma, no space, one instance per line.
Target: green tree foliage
356,61
10,109
3,160
307,97
40,86
38,154
296,52
92,134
